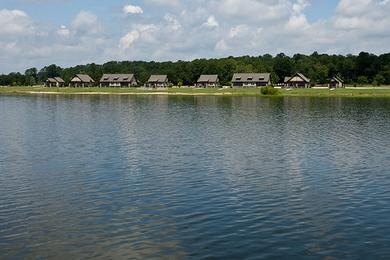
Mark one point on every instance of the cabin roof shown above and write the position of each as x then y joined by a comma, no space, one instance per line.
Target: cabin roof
336,79
208,78
117,78
51,80
158,79
55,80
59,80
251,77
83,78
303,77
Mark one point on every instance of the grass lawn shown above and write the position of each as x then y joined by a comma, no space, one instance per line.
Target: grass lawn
315,92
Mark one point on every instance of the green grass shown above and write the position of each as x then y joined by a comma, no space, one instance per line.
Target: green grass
349,92
345,92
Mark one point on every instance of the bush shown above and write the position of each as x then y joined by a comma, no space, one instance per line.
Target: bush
269,91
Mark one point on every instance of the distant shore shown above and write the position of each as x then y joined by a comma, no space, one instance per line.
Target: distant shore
368,91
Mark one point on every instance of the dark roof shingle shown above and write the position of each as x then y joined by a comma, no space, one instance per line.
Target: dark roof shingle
158,79
117,78
85,78
251,77
59,80
303,77
208,78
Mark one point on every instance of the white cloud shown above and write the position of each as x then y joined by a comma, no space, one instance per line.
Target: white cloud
300,6
252,10
365,17
174,29
165,2
173,23
297,23
141,32
14,22
221,46
132,9
86,23
239,29
353,7
127,40
211,22
148,32
63,31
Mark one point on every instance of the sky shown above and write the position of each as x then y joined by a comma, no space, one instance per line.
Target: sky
36,33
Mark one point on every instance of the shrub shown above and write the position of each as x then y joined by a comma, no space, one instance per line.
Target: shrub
269,91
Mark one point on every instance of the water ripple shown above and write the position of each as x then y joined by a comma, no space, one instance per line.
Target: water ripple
116,177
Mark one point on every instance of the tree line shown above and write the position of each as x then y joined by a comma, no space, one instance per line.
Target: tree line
365,68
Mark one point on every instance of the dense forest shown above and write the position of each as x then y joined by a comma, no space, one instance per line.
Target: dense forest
364,68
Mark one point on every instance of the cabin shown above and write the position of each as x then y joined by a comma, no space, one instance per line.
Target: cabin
208,81
297,81
51,82
82,81
157,81
336,82
251,80
118,80
55,82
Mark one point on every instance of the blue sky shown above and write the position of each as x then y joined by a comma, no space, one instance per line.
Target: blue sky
35,33
320,9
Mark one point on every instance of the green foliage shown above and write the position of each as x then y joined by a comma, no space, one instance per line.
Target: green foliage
362,92
379,80
362,80
361,69
269,91
180,83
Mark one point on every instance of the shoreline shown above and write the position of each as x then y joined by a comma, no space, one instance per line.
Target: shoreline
374,92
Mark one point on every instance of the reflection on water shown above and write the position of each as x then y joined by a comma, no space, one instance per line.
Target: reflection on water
193,177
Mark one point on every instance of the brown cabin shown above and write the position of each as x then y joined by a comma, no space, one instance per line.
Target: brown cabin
208,81
336,82
82,81
157,81
118,80
251,80
55,82
297,81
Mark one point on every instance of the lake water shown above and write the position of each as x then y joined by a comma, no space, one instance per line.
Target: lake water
123,177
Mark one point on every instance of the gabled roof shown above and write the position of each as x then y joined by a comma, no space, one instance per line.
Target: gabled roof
208,78
117,78
303,77
251,77
59,80
55,80
51,80
158,79
337,79
84,78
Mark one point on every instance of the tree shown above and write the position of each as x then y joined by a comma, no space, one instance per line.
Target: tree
363,69
283,66
32,72
50,71
379,79
362,80
31,76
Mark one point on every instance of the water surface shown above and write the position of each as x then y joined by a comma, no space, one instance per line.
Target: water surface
194,177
